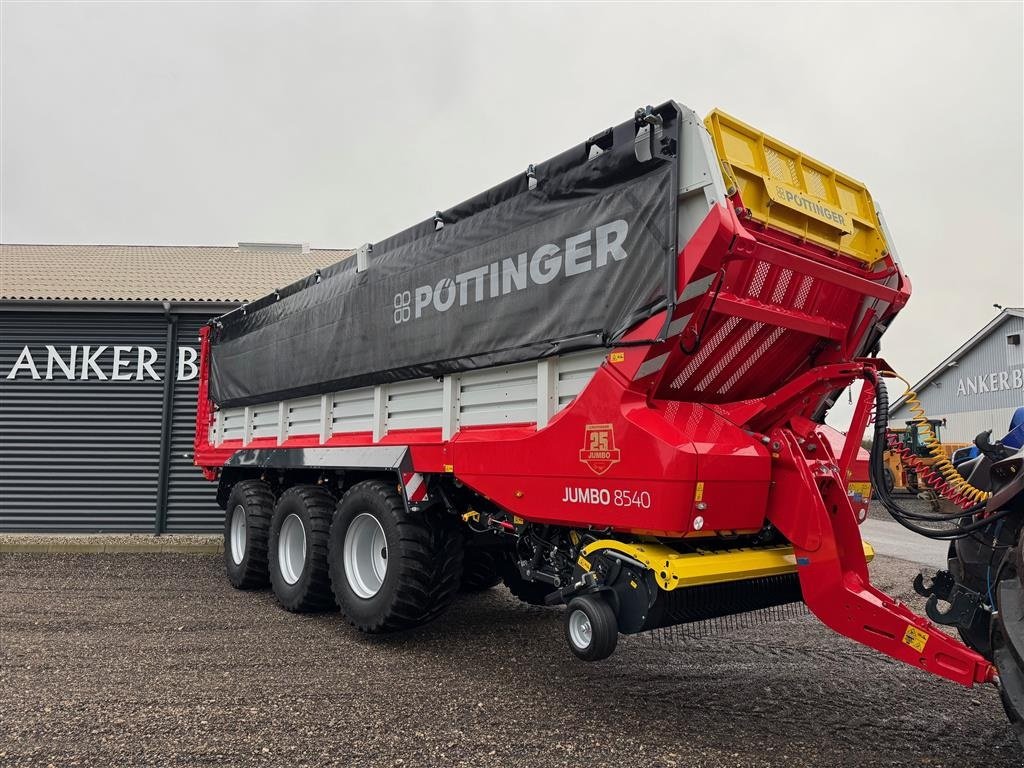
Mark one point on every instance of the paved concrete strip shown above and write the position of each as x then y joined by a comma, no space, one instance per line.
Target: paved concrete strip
891,538
110,543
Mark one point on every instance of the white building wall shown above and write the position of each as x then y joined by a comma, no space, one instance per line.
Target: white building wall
979,391
965,426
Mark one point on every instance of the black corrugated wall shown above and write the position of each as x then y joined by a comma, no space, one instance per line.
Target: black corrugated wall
191,498
82,452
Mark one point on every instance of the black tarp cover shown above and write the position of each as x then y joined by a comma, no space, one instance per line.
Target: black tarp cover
514,274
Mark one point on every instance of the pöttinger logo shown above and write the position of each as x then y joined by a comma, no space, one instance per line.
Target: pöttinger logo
403,307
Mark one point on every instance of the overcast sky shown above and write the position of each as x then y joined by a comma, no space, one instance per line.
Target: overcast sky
339,124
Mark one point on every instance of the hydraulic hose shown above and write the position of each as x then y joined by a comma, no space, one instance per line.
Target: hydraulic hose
904,517
942,475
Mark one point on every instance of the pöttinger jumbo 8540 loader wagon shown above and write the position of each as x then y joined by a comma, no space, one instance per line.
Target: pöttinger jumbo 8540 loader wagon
603,381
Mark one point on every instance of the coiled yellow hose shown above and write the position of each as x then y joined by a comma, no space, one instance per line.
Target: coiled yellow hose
942,466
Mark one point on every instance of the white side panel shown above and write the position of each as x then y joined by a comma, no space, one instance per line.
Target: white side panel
574,372
265,420
380,411
513,394
352,411
234,424
302,416
547,390
450,406
505,395
326,416
415,404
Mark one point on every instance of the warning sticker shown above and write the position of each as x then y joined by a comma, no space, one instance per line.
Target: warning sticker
915,638
863,490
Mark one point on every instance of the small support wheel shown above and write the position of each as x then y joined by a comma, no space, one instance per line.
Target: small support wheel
591,627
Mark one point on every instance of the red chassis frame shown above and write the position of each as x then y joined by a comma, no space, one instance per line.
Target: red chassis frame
706,430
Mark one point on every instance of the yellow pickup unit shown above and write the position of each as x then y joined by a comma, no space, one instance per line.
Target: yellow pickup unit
674,569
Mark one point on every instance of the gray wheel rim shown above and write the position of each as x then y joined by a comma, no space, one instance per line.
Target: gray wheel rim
291,548
237,538
365,555
580,631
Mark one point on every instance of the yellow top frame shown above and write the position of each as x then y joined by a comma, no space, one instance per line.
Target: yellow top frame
790,191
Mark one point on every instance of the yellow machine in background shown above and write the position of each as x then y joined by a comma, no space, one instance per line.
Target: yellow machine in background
902,478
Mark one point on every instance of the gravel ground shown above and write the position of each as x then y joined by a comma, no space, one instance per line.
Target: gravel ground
152,659
110,542
911,503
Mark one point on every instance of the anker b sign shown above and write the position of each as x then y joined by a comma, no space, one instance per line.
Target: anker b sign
113,362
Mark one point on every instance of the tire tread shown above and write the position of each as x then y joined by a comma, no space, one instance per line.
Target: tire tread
429,562
317,596
258,500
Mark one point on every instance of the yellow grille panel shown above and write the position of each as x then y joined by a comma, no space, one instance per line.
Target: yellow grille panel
788,190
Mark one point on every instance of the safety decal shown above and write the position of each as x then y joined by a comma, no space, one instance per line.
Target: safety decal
915,638
415,488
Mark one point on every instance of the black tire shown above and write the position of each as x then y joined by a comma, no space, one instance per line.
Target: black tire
888,480
529,592
422,556
1008,664
310,592
256,501
1016,718
480,570
1013,717
601,627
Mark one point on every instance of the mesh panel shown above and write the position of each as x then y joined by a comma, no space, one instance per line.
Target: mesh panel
751,359
781,167
760,274
815,183
741,358
805,290
782,285
731,355
692,422
672,410
706,348
696,419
